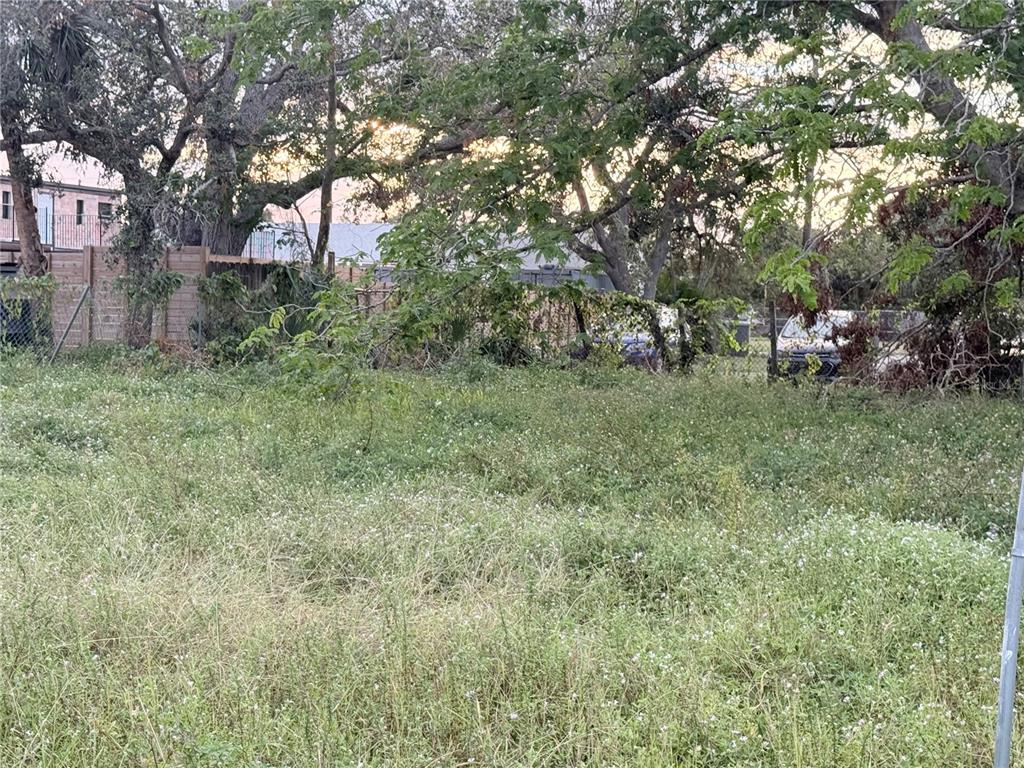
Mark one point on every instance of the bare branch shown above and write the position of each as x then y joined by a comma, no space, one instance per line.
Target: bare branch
165,42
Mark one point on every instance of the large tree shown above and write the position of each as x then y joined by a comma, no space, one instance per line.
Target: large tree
282,117
582,123
608,127
942,80
24,173
205,111
984,56
92,85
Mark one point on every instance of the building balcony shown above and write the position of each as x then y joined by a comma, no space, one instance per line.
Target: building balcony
73,232
63,233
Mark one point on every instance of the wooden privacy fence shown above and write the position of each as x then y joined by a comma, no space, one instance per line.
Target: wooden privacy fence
101,318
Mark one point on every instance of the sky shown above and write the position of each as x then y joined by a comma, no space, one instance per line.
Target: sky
58,168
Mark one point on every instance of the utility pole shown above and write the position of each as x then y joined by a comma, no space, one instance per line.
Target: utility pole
1011,641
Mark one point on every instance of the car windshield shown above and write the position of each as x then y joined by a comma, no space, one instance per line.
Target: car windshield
795,328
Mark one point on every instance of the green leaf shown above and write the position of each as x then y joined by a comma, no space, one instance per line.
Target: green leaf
1005,292
910,259
982,130
970,196
956,283
790,269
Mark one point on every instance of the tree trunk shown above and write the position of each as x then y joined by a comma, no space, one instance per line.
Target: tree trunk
33,262
687,351
13,103
650,286
326,187
621,280
807,235
657,335
30,247
226,233
655,262
230,238
581,328
137,246
138,322
191,230
947,103
138,318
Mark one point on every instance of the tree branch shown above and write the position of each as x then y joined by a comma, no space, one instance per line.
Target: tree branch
599,231
165,42
668,215
277,75
226,58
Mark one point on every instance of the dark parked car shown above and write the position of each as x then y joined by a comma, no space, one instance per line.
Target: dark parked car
636,345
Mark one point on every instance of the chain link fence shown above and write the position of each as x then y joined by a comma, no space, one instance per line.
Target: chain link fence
26,311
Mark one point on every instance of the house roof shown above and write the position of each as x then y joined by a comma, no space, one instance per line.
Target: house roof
361,243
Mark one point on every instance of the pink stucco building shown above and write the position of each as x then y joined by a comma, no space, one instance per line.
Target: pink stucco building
76,206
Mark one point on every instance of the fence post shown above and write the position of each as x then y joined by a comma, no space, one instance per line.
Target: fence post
165,310
1011,640
67,328
773,361
204,271
87,255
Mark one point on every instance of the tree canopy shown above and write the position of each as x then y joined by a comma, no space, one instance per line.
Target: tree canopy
666,143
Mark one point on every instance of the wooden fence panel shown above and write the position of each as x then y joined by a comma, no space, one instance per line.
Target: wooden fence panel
69,270
102,318
184,306
108,308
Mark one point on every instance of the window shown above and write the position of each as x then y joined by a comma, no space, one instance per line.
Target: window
5,207
79,211
106,211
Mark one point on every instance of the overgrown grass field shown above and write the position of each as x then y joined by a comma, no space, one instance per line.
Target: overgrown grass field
497,568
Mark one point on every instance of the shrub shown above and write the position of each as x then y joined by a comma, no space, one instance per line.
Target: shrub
231,311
